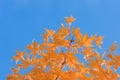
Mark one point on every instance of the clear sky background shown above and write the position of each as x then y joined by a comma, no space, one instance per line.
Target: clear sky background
21,21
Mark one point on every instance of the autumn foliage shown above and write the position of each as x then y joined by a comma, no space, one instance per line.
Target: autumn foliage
55,58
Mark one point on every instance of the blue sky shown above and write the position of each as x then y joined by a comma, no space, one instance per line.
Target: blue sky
21,21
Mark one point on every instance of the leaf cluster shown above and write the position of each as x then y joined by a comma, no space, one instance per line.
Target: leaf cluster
55,58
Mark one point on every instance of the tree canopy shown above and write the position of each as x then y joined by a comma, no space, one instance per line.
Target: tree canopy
55,58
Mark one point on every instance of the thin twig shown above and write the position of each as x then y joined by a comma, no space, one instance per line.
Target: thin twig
62,66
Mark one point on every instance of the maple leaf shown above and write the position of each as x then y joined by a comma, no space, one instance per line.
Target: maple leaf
113,47
34,47
47,34
50,32
114,61
81,69
85,41
69,20
15,70
98,41
76,33
88,53
25,63
59,38
19,56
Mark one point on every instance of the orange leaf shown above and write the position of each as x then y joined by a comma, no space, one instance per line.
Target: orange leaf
69,20
98,41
